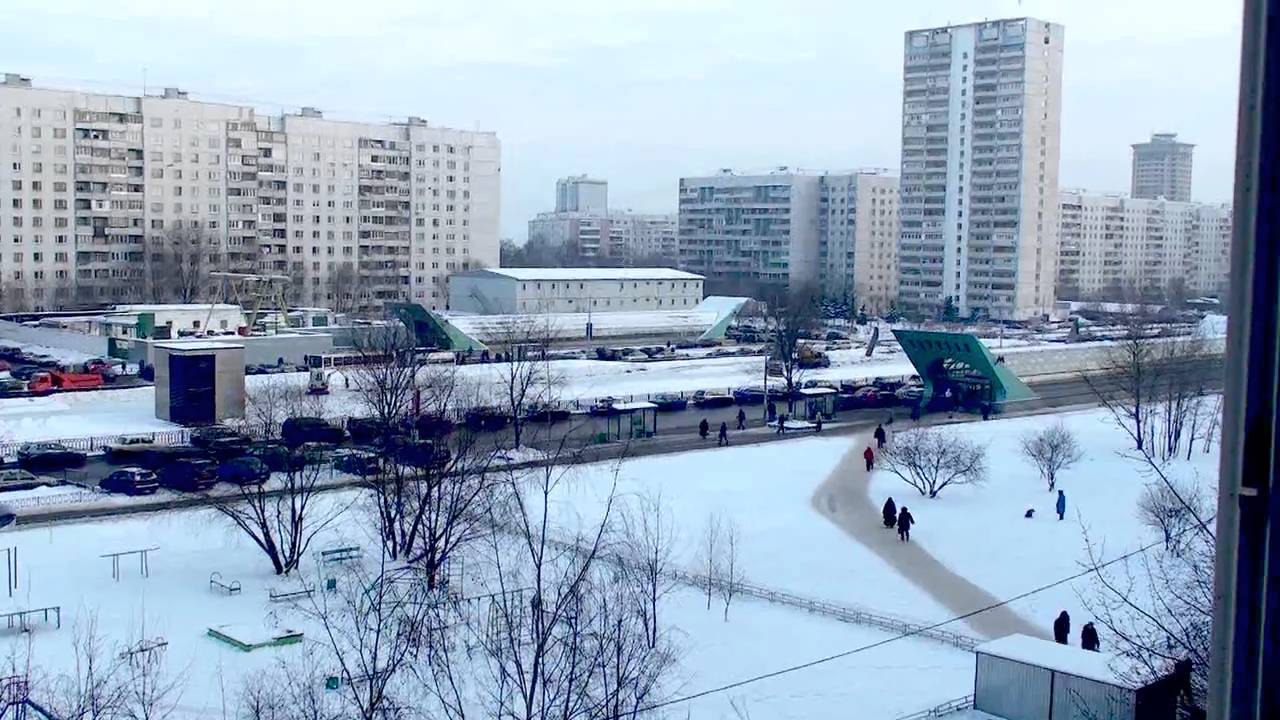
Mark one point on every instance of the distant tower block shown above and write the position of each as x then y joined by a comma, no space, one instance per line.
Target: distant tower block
199,382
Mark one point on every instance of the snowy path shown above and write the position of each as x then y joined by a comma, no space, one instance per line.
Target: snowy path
845,500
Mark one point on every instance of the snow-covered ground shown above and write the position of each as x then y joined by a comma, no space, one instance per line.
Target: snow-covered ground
80,414
766,490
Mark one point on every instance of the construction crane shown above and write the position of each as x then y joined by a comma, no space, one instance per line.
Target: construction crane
251,291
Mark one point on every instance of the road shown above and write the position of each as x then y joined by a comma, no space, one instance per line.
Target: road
677,431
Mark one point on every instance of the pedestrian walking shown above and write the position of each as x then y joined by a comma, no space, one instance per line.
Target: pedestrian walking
723,438
905,521
703,429
1062,628
1089,638
1061,505
915,412
986,411
880,436
889,513
817,424
782,422
742,419
870,457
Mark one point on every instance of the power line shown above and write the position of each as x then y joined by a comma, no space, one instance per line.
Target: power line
900,636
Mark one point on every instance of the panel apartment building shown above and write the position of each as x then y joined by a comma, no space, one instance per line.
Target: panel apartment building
1162,168
356,214
836,231
583,223
1112,245
980,142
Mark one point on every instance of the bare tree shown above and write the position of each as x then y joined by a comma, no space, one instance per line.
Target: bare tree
373,628
272,399
1051,450
525,378
650,546
1156,609
386,379
731,576
1173,509
178,263
930,459
712,550
283,515
345,289
150,691
92,688
790,319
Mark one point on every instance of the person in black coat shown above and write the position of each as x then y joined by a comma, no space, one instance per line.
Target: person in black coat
703,429
889,513
880,436
723,438
773,411
905,521
1089,637
742,419
1062,628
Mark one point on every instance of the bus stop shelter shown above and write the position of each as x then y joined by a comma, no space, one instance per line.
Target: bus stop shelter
958,368
633,420
818,401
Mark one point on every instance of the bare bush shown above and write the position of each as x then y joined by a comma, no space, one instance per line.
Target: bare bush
1051,450
931,459
525,378
1173,510
731,575
790,319
649,544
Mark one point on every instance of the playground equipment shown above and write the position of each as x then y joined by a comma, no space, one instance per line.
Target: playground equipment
144,568
217,584
247,639
275,595
11,567
144,652
341,554
23,620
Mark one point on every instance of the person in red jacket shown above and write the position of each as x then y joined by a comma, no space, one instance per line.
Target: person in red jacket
870,457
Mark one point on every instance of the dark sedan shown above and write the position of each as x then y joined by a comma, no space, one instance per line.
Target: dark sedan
189,475
244,471
49,455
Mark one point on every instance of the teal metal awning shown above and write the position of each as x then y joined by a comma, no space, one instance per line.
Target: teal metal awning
959,356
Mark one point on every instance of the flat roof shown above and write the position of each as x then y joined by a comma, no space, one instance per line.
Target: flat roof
817,391
1054,656
639,405
586,273
173,307
199,345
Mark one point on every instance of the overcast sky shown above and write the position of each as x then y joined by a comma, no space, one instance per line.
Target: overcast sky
643,91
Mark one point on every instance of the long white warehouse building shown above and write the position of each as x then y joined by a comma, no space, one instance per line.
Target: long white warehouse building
497,291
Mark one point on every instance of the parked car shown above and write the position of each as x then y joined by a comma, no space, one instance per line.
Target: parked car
24,372
299,430
244,471
273,453
130,481
910,394
228,447
867,397
190,475
370,431
201,437
668,402
422,454
157,456
357,461
819,384
314,453
545,412
887,383
748,395
11,386
433,425
130,449
485,418
19,479
49,455
604,406
704,399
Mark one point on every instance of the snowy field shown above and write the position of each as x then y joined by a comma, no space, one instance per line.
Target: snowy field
767,491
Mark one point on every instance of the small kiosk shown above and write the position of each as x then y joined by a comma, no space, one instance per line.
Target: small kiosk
633,420
818,401
199,382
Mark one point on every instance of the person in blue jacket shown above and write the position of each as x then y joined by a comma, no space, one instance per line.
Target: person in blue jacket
1062,505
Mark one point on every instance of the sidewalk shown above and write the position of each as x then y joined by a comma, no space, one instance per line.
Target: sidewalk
844,499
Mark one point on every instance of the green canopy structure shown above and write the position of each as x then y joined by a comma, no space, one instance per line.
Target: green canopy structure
961,364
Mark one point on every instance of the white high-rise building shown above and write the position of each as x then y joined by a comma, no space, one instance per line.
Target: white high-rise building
1117,247
834,231
579,193
1162,168
979,190
355,214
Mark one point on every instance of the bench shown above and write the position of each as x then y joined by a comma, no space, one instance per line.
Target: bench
341,554
218,585
289,595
